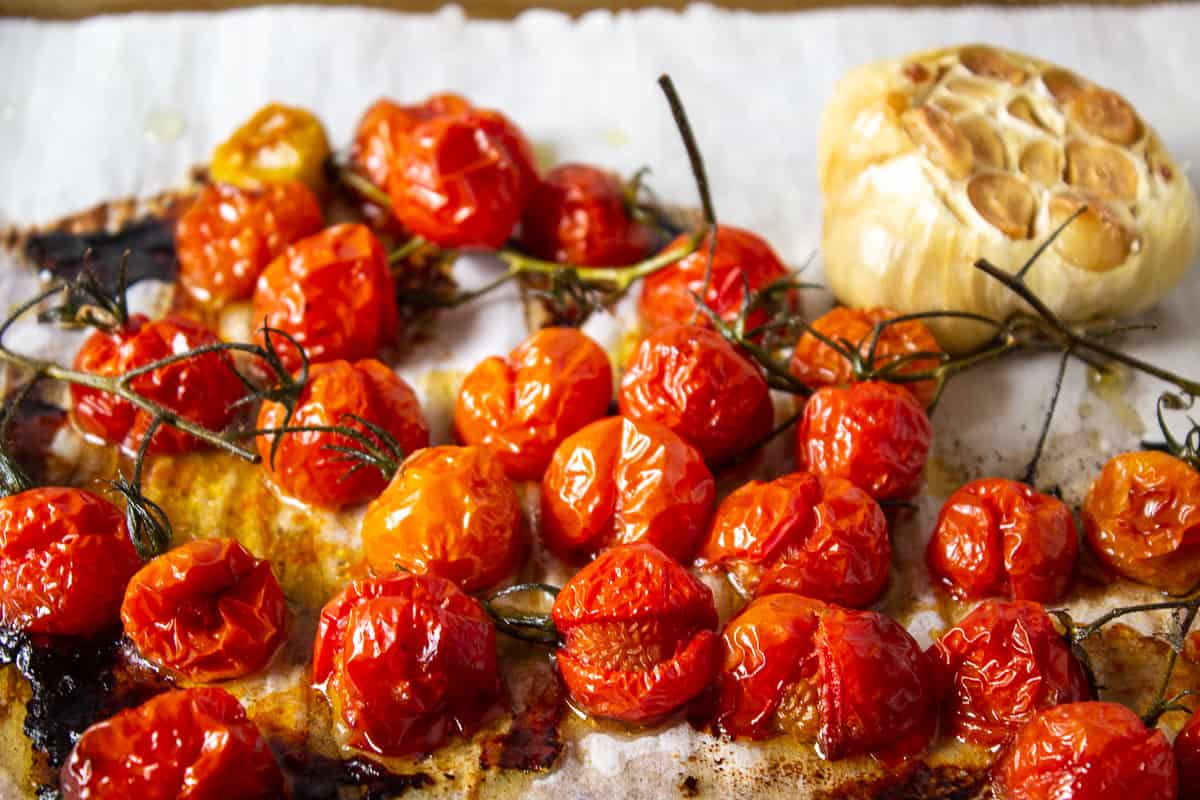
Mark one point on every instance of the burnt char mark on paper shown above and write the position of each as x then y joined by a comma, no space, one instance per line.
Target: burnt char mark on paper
150,243
533,741
317,777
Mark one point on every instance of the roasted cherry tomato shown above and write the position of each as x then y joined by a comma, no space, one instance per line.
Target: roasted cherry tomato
279,143
229,235
449,511
385,125
202,388
186,744
1000,665
305,465
578,215
1187,759
639,635
1001,537
65,557
1142,517
523,406
742,259
333,293
407,662
873,434
817,364
809,534
689,379
618,481
207,610
1087,751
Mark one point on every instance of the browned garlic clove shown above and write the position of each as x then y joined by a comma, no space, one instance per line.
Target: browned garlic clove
986,143
940,140
1005,202
1096,241
1103,171
1023,110
1106,114
1042,161
1061,84
989,63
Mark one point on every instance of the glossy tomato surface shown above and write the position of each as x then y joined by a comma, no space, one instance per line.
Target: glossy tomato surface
618,481
65,557
304,464
1187,759
279,143
386,124
523,406
639,635
187,744
407,661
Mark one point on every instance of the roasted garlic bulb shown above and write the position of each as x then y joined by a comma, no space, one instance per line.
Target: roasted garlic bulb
930,162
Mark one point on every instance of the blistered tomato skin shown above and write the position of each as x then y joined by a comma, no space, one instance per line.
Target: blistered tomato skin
203,388
279,143
1087,751
207,610
186,744
333,293
408,662
1187,759
1142,517
451,512
65,557
523,406
229,235
639,635
304,466
996,537
999,666
690,379
618,481
873,434
820,537
386,123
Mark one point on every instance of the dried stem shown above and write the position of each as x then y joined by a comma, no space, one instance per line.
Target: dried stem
536,628
1030,473
13,479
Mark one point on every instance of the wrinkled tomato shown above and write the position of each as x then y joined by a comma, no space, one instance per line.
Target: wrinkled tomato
816,536
1142,517
187,744
407,661
207,610
638,635
305,465
1001,537
279,143
619,481
523,406
385,125
1187,759
451,512
65,557
691,380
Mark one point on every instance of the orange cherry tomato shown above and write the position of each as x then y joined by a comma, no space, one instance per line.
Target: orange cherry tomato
809,534
207,610
1187,759
1087,751
817,364
619,481
305,465
451,512
1000,665
1001,537
1142,517
407,662
65,557
639,635
691,380
873,434
229,235
202,389
741,258
333,293
385,125
577,215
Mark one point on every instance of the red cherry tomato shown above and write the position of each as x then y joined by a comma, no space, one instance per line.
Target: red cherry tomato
523,406
1142,517
386,124
187,744
820,537
577,215
407,661
1087,751
65,557
207,610
639,635
202,389
691,380
1187,759
1001,537
305,466
229,235
873,434
618,481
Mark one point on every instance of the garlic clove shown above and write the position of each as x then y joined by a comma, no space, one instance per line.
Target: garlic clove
1042,161
1096,240
989,63
940,140
986,144
1006,202
1105,114
1102,171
